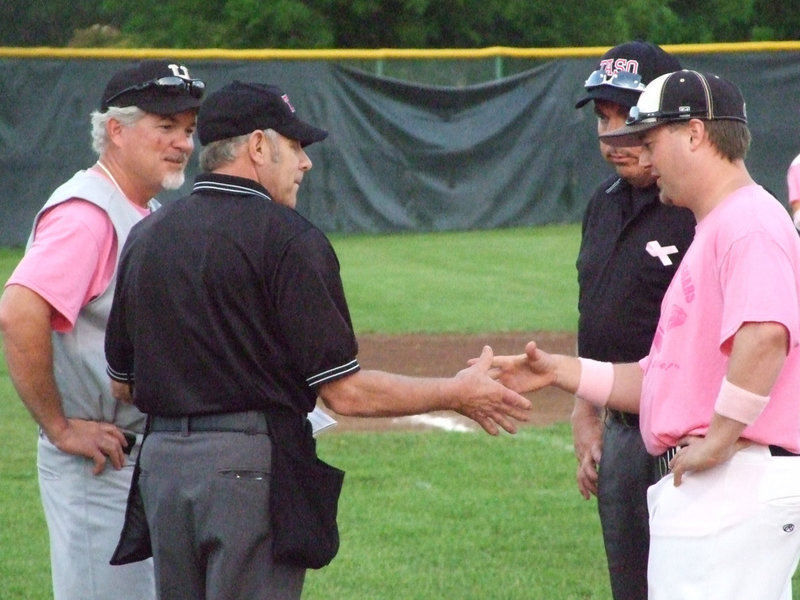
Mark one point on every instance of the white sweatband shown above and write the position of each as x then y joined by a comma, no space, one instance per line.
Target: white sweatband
796,219
596,381
739,404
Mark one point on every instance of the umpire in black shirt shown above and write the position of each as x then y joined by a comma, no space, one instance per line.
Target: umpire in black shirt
230,319
631,245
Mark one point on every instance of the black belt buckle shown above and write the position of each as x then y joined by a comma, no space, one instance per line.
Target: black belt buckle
131,439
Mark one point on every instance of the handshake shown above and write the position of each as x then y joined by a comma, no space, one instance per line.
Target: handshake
489,390
535,369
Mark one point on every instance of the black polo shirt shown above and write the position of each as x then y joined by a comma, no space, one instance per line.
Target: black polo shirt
227,301
620,284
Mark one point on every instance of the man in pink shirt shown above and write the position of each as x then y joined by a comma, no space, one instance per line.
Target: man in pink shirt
53,315
718,392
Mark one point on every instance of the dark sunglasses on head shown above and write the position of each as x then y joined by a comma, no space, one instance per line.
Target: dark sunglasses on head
621,79
637,116
169,85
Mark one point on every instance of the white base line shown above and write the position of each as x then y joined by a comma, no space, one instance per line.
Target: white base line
438,422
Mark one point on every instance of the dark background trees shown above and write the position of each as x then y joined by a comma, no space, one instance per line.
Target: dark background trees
390,23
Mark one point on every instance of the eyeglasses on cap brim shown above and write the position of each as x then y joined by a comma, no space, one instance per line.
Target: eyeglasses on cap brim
168,85
621,79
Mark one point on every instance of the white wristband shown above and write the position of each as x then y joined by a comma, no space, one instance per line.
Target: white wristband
796,219
739,404
596,381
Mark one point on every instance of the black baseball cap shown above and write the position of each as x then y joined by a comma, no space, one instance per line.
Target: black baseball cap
625,70
161,87
240,108
680,96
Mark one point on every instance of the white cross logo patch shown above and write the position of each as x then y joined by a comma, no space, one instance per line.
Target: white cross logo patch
661,252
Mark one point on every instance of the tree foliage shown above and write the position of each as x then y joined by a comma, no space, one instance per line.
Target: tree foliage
391,23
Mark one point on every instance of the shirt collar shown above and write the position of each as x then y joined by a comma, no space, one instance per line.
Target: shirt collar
229,184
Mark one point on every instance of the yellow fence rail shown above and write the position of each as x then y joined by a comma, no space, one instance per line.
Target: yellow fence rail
377,54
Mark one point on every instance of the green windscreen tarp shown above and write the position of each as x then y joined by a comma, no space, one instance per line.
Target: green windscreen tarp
401,156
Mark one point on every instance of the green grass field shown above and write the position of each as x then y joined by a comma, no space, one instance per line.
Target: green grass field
475,282
424,515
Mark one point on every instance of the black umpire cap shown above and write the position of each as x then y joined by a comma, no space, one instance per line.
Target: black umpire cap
240,108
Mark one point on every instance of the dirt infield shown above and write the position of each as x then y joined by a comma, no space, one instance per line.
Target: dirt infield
435,355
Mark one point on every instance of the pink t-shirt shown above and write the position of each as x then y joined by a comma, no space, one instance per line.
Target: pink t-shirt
743,266
71,260
793,180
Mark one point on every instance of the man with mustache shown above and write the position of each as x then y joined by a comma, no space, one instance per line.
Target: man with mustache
267,332
620,289
53,315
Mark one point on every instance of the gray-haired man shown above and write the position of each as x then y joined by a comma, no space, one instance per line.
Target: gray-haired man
53,315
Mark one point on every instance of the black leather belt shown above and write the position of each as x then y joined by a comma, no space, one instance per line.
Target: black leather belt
623,418
251,421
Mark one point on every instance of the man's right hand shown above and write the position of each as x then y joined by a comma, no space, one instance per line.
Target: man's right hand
587,435
487,402
523,373
25,322
94,440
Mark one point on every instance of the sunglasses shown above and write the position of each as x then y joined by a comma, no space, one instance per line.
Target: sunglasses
637,116
621,79
168,85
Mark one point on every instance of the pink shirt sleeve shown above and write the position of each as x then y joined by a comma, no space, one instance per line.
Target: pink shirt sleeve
758,286
71,260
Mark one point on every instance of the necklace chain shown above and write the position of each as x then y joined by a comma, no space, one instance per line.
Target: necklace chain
111,177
